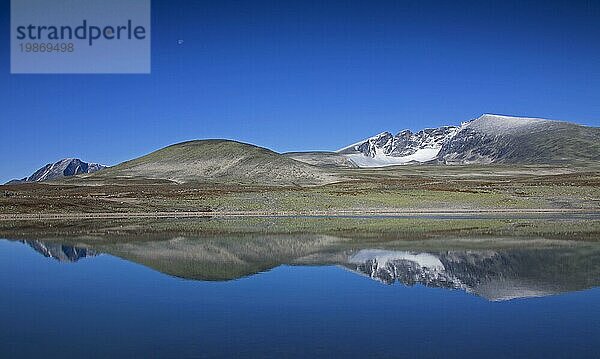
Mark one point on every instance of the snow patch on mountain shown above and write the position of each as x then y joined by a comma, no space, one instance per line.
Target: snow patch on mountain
422,155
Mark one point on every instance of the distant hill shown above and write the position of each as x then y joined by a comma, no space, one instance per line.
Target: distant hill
221,161
63,168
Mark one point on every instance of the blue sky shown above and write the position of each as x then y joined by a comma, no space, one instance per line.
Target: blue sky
308,75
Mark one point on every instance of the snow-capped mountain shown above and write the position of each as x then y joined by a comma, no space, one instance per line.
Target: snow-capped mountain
405,147
63,168
487,139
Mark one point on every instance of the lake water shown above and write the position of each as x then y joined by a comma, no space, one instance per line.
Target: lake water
297,297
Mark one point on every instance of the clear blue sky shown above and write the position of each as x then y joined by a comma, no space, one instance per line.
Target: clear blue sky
308,75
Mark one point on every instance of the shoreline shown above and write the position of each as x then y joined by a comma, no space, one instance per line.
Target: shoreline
267,214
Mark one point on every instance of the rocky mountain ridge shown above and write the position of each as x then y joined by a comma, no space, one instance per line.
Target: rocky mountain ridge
484,140
64,168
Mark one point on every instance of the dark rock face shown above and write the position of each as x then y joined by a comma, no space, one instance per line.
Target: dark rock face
469,146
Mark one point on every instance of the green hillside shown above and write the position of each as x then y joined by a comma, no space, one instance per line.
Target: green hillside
219,161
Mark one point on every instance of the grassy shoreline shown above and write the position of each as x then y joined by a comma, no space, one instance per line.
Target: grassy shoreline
409,188
404,202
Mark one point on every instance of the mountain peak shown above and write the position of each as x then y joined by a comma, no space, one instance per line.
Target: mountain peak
494,117
499,116
65,167
502,125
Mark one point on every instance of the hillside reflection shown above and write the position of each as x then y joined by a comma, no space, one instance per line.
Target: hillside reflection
497,269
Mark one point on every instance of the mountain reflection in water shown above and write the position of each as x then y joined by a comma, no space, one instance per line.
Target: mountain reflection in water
521,270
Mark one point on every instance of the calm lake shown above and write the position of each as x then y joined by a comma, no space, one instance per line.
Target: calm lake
298,297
